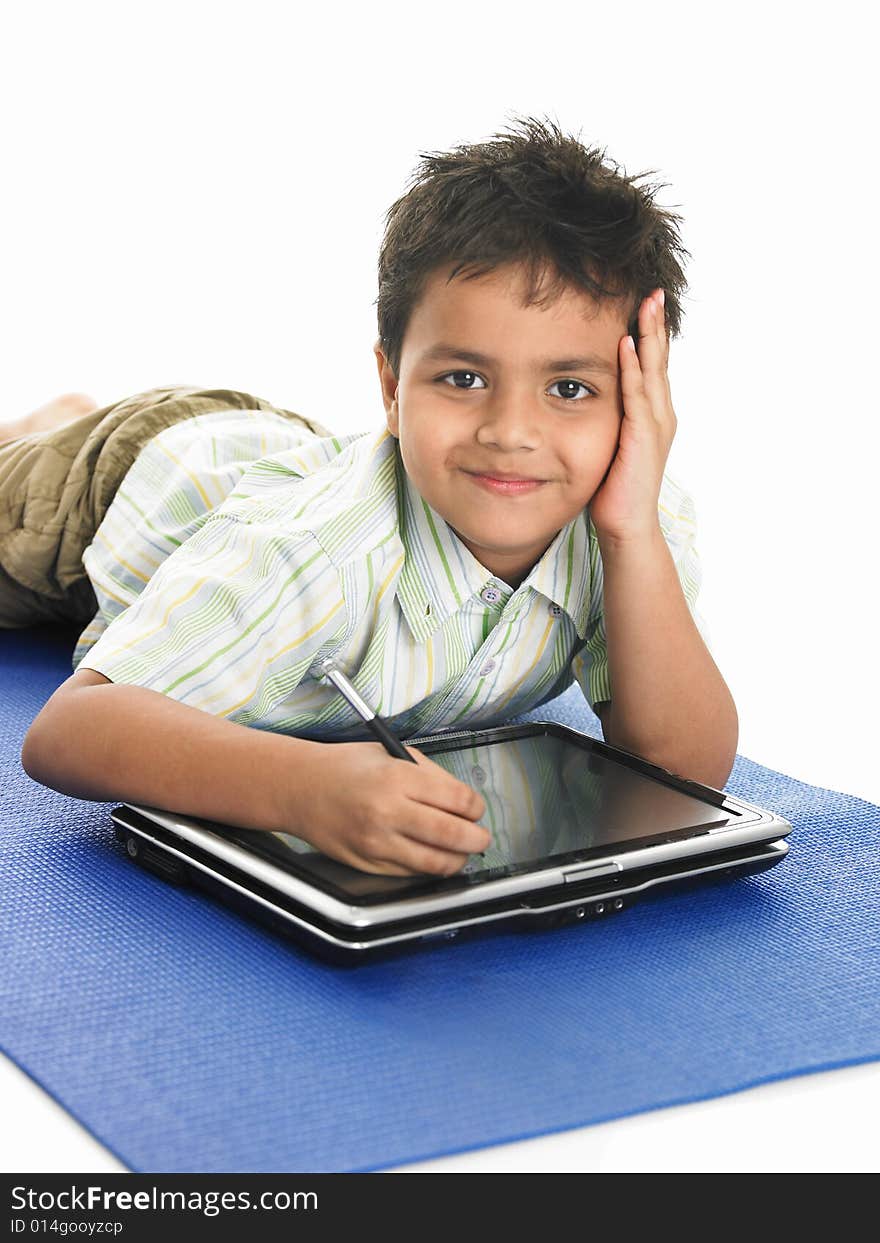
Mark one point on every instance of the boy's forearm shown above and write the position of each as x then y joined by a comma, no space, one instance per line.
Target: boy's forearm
669,702
128,744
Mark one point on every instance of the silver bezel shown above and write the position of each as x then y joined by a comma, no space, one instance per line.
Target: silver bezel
764,827
458,918
754,825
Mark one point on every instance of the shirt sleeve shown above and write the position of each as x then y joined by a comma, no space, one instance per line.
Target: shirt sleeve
230,622
678,522
178,479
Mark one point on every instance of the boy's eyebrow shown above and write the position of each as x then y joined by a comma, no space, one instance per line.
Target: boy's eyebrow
588,362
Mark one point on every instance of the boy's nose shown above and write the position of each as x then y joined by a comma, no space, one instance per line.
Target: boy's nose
510,426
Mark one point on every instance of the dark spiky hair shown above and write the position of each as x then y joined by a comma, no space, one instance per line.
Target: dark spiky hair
537,198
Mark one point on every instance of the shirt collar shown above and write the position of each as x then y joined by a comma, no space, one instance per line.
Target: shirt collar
440,574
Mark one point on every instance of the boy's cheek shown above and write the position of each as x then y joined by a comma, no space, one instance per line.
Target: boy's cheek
604,457
599,477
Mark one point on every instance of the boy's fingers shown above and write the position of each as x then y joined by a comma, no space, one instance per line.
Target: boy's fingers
409,858
420,842
438,788
653,354
650,350
663,361
632,384
447,833
419,859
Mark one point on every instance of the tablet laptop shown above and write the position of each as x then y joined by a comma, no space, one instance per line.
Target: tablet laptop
580,830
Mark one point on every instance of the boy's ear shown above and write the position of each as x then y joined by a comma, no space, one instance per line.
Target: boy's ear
388,381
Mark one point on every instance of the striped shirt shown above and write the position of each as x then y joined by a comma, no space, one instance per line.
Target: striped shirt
241,549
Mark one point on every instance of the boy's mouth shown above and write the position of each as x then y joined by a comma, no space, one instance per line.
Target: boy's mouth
505,484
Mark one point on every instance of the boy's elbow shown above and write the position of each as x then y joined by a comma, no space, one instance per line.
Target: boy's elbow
33,751
29,761
54,751
38,745
43,740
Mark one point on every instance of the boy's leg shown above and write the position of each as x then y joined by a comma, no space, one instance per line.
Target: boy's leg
54,413
56,486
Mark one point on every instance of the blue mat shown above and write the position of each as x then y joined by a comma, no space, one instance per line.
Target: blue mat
188,1039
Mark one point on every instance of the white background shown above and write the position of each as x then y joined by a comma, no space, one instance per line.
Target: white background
194,193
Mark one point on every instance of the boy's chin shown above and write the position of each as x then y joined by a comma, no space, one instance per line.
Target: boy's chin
491,547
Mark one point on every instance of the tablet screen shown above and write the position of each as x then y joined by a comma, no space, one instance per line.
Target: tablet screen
547,798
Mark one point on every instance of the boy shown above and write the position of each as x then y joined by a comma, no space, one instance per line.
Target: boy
511,529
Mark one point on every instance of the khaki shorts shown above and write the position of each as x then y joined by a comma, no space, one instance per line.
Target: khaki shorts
56,487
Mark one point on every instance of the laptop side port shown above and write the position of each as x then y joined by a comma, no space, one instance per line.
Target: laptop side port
163,865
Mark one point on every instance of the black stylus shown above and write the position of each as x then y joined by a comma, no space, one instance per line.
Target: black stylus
374,723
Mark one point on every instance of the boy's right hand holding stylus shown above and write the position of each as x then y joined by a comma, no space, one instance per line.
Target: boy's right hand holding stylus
358,804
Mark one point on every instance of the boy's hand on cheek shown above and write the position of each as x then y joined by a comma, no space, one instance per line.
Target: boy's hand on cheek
624,507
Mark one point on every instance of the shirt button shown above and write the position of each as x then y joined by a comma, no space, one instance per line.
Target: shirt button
555,610
488,667
479,774
490,595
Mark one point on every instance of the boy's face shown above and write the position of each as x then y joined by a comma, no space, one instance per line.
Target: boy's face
516,412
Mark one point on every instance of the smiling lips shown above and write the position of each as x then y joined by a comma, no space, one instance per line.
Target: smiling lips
506,484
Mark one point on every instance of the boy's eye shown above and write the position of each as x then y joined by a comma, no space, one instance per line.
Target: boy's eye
579,384
472,374
567,397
